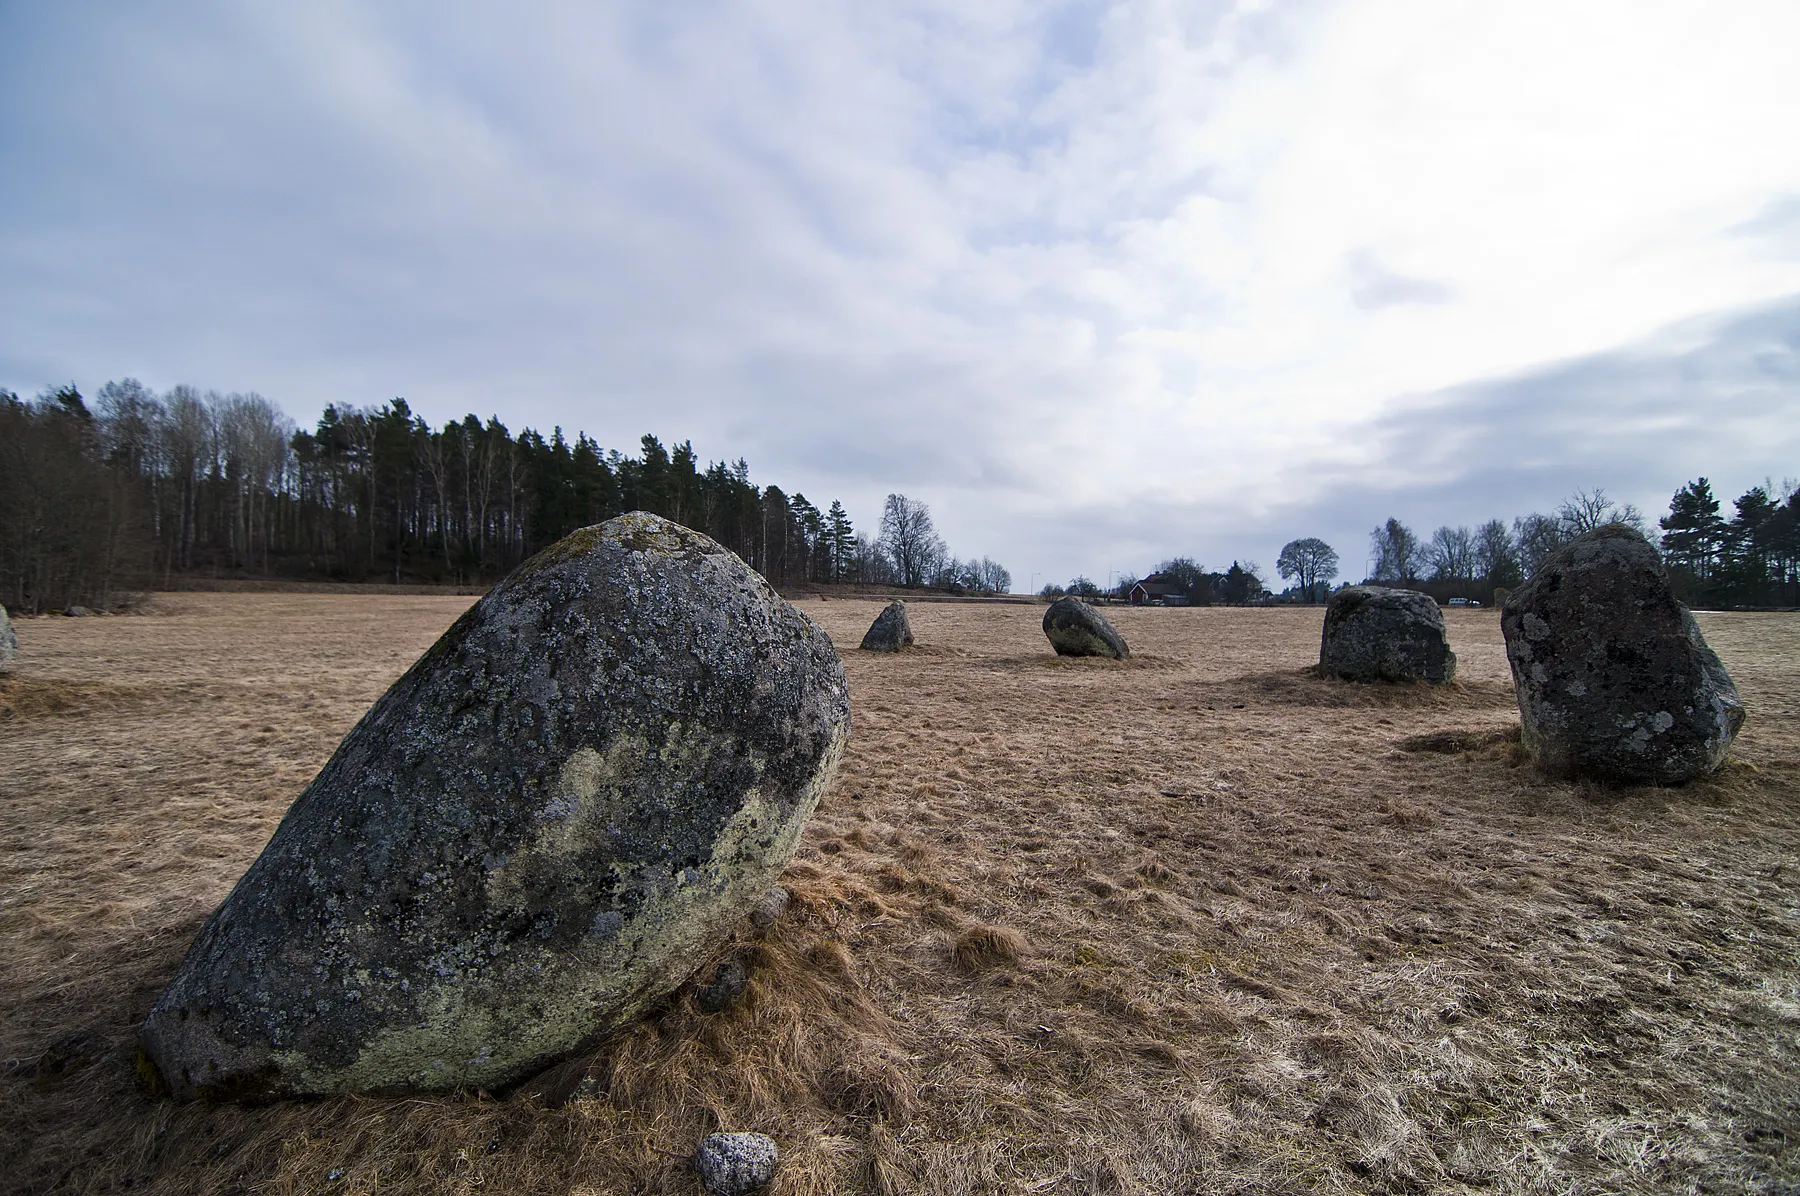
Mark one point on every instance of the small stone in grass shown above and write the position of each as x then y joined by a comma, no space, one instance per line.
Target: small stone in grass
735,1164
768,911
728,984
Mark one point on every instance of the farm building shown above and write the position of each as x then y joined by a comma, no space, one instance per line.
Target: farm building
1157,590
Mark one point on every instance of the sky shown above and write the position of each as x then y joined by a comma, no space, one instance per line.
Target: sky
1102,284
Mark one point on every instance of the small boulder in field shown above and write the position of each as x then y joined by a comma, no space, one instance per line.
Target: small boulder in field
9,642
77,612
1613,678
890,632
736,1164
1373,633
543,827
1077,629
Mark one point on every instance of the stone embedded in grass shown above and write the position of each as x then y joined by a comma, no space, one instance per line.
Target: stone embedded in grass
890,631
729,980
9,642
542,827
768,911
1373,633
1613,678
736,1164
1077,629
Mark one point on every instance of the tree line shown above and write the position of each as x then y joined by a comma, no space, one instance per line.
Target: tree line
1750,559
142,489
1237,585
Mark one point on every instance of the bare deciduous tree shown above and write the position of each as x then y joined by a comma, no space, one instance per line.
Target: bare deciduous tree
1451,554
1394,550
909,540
1311,562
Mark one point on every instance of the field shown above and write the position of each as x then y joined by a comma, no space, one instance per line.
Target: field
1196,922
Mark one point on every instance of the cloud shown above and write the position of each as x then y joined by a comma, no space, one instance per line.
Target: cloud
1372,286
1096,280
1718,396
1776,226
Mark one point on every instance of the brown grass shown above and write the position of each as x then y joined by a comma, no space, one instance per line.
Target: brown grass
1198,922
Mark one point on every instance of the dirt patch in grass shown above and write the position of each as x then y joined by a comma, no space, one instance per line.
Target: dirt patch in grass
1198,922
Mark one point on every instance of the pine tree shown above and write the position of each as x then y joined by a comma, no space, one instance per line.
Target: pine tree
840,544
1693,533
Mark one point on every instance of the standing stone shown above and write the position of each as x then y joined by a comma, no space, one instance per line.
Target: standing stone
1077,629
890,631
9,642
1613,678
736,1164
1373,633
567,802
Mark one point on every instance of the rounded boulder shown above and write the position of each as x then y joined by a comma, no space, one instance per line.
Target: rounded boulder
535,833
891,630
736,1164
1373,633
1613,678
1077,629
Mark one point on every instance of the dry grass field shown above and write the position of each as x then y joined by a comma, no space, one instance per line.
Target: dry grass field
1196,922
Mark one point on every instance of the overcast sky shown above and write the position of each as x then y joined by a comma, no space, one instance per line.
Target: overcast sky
1100,283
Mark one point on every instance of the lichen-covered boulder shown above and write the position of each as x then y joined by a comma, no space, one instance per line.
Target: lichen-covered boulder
890,631
1373,633
1613,678
9,642
1077,629
545,825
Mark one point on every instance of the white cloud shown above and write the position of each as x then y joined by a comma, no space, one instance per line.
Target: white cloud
1076,274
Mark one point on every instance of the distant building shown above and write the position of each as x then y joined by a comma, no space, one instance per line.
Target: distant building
1157,590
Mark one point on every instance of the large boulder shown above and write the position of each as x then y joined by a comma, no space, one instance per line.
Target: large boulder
1373,633
1077,629
890,631
9,642
539,830
1613,678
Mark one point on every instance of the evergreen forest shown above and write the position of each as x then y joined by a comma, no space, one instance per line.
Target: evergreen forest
141,490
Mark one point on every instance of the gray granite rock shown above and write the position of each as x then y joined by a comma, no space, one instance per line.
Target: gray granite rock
542,827
1077,629
736,1164
1373,633
1613,677
9,643
890,632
